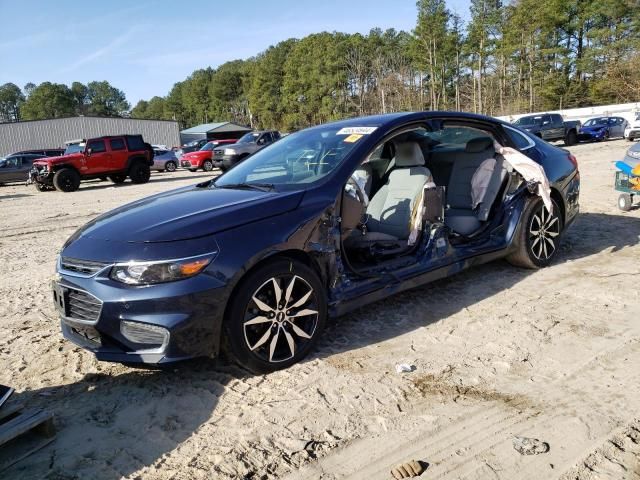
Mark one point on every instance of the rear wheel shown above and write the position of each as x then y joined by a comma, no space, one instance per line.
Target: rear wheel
624,202
170,166
207,165
66,180
538,240
276,316
139,172
120,178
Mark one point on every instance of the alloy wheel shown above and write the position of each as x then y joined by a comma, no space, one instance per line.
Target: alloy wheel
170,166
544,230
281,318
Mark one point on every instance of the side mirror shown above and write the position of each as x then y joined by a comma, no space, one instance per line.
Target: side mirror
89,150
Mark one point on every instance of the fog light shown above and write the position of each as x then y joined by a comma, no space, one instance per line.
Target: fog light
151,336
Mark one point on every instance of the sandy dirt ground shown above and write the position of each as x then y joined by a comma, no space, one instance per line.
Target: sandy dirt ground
499,352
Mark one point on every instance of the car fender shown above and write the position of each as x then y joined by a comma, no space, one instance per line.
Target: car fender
137,157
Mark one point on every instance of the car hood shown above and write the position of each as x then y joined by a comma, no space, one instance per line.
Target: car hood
187,213
196,155
57,160
592,128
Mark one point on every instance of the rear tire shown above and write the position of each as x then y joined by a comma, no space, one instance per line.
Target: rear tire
170,166
207,165
538,239
275,317
139,173
118,179
624,202
66,180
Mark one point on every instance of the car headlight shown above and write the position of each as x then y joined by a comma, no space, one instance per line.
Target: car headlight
229,151
148,273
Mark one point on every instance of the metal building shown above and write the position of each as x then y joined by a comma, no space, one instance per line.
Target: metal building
213,131
34,134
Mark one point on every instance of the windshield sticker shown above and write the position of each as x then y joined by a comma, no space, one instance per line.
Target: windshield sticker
356,130
354,137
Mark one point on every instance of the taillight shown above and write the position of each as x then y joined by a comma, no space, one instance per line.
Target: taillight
573,160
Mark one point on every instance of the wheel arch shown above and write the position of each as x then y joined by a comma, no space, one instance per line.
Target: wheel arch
58,167
559,199
137,158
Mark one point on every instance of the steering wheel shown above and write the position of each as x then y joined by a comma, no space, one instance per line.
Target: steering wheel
361,196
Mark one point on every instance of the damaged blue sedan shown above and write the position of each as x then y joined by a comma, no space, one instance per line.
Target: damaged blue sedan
317,224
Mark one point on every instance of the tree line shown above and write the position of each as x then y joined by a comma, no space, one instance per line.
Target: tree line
509,57
55,100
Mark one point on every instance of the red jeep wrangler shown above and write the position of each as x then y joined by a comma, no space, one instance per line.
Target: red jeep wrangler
115,157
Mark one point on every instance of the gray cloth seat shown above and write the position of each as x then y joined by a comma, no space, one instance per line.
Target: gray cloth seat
476,179
389,211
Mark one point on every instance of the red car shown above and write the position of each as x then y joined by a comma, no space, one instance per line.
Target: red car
202,158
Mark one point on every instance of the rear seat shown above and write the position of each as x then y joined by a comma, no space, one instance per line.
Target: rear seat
460,215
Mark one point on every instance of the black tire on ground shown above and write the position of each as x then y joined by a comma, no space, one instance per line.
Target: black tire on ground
120,178
103,179
571,138
139,172
41,187
625,201
275,317
66,180
630,138
192,170
170,166
538,239
207,165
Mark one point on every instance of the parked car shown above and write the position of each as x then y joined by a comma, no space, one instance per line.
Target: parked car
602,128
164,160
192,146
16,167
47,152
258,258
116,157
227,157
203,157
632,157
550,126
632,130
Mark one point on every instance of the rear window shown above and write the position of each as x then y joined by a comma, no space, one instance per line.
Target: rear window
135,142
117,144
520,140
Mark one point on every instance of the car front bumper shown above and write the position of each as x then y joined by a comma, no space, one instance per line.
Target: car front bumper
189,164
93,311
632,133
225,162
587,136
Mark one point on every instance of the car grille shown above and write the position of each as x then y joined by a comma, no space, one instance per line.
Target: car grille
186,163
84,267
82,306
218,153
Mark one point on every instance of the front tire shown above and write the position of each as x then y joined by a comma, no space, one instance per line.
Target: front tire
571,138
41,187
66,180
170,166
207,165
139,173
538,239
624,202
276,316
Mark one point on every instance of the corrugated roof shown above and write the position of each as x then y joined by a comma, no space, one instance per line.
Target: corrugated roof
216,127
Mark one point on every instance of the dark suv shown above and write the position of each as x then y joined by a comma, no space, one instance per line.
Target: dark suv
226,157
115,157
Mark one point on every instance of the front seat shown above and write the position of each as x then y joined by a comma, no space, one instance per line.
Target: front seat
476,179
388,215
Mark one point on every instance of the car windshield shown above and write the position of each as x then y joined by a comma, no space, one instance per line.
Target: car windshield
208,147
300,159
74,148
529,121
3,160
596,121
249,138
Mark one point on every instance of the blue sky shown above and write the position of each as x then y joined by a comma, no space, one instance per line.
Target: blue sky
144,47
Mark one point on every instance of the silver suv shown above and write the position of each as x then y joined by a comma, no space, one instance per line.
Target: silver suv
227,156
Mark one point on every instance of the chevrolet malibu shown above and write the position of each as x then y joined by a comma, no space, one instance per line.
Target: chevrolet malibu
326,220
